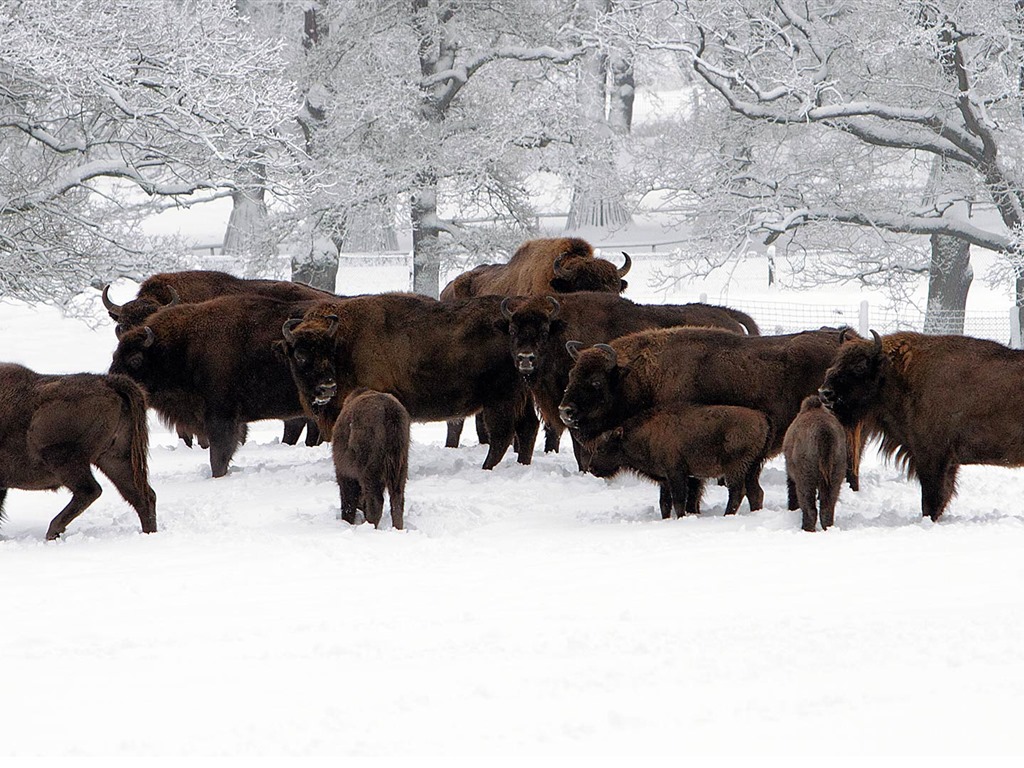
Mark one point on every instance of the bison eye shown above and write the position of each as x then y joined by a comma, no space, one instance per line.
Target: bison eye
134,360
302,358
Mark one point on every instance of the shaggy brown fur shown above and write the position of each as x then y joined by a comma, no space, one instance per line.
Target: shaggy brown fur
544,265
52,428
371,454
211,368
771,374
671,444
936,402
540,327
440,359
815,451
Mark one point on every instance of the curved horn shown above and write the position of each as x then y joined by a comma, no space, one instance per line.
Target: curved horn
175,298
878,342
625,267
608,352
150,338
573,348
333,327
505,311
557,266
111,306
555,307
288,327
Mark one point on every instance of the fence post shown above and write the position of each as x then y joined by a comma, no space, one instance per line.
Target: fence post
863,325
1015,340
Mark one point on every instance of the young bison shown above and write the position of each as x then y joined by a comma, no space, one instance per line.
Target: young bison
52,428
371,453
671,445
815,450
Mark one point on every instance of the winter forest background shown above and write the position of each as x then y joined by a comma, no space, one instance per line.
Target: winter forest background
881,138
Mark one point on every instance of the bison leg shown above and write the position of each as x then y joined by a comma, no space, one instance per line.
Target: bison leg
736,493
791,497
350,498
373,499
854,452
809,506
752,483
143,499
938,484
186,436
396,499
224,437
481,429
74,473
312,433
679,487
695,492
3,497
500,428
292,430
527,426
581,453
665,500
552,437
454,433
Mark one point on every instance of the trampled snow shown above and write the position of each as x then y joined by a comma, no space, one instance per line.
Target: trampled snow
525,610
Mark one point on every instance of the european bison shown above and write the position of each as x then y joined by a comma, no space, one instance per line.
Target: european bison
672,444
936,402
539,328
371,454
440,359
211,368
52,428
772,374
815,451
544,265
194,286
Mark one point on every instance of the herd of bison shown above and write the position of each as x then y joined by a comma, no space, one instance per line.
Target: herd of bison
676,393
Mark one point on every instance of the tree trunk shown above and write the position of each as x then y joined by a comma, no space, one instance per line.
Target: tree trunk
949,279
426,269
317,267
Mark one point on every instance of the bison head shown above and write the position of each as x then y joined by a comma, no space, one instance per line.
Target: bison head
589,398
852,384
576,273
136,356
310,345
135,312
605,454
529,328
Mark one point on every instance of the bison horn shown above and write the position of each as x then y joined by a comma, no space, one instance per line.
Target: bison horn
557,266
288,327
608,352
555,307
111,306
333,327
175,298
625,267
505,311
150,338
878,342
842,334
573,348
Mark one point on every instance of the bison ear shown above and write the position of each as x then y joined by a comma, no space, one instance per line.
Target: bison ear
608,352
278,349
573,348
623,285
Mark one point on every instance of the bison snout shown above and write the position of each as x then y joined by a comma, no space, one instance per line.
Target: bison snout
827,395
527,361
567,414
324,392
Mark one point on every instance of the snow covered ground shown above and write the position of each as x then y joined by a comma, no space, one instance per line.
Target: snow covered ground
525,610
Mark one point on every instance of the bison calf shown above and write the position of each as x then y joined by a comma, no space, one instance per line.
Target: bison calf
53,428
371,453
670,445
815,451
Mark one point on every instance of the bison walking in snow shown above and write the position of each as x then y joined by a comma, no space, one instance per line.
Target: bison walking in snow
371,454
54,428
815,451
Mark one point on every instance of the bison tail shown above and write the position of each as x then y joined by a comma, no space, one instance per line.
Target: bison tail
745,320
139,430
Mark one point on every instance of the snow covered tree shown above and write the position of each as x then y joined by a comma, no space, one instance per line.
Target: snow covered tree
109,111
852,105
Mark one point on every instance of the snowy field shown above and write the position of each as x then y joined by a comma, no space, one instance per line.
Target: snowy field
528,610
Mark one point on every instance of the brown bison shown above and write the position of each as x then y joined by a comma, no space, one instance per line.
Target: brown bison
815,451
211,368
539,328
672,444
52,428
699,366
371,454
440,359
544,265
194,286
936,402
